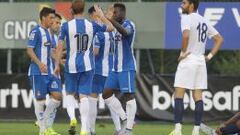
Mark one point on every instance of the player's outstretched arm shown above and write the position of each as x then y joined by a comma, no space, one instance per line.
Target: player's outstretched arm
33,56
218,40
101,16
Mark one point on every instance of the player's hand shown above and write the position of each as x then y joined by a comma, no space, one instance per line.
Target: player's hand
181,57
57,70
99,11
110,11
218,131
207,59
43,68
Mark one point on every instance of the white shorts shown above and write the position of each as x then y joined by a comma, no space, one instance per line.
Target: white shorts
191,73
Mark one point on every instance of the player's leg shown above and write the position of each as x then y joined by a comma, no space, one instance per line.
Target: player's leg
71,84
84,90
200,83
39,88
184,79
116,121
111,101
178,109
127,87
197,96
55,90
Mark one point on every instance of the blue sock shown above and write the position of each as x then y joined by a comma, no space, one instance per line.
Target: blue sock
178,110
230,129
198,112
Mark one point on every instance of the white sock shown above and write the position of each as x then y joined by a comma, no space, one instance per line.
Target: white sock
196,129
51,119
51,107
116,120
114,104
39,112
84,111
131,109
70,102
93,113
178,127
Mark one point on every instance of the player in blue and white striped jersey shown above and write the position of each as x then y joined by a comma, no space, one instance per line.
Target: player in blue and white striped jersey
78,35
124,69
41,75
103,46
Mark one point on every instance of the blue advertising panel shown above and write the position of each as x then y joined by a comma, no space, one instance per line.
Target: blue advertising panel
225,17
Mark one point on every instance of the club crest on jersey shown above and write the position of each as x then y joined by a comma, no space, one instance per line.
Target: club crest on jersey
54,85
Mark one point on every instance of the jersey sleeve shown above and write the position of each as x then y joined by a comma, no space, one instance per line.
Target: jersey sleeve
129,28
99,27
185,22
33,39
63,32
211,31
98,40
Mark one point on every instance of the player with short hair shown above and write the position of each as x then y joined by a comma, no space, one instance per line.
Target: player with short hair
41,75
191,71
124,69
103,47
78,35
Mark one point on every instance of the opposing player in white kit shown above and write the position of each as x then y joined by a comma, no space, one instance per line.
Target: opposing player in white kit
191,71
103,47
78,35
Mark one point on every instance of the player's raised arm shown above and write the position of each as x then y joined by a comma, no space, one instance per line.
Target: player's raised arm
102,17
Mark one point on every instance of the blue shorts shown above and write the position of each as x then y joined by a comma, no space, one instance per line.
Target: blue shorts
98,83
79,83
123,81
44,84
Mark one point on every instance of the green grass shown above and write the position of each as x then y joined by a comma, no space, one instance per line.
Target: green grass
103,128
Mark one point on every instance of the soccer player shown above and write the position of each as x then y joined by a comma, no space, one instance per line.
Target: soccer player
103,47
191,71
78,35
229,127
124,69
42,78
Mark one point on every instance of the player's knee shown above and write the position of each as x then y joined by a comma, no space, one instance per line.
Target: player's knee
129,96
57,96
107,93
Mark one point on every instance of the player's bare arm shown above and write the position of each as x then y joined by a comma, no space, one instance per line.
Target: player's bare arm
101,16
185,39
59,52
119,27
218,40
95,51
34,58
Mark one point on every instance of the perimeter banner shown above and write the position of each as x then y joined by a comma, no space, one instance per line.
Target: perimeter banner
154,98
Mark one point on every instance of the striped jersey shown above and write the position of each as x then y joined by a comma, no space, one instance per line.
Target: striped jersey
78,35
40,40
124,59
104,60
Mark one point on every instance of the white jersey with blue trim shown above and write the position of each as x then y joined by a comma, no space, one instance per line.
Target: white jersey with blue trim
40,41
104,60
78,35
124,59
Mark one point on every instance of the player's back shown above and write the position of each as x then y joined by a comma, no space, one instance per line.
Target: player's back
104,60
200,30
79,35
